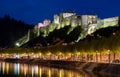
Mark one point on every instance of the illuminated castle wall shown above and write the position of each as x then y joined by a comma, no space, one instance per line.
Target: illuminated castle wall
88,23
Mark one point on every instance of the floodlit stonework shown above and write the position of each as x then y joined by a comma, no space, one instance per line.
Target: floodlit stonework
88,23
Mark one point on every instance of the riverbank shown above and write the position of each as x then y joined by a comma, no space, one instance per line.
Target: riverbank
99,68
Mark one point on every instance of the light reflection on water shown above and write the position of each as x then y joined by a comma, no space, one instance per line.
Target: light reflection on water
16,68
26,70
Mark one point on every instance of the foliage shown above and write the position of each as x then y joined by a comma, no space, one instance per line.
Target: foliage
11,30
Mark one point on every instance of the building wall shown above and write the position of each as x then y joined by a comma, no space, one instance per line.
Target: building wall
56,19
110,21
88,19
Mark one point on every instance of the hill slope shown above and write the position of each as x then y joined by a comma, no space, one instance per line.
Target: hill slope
11,30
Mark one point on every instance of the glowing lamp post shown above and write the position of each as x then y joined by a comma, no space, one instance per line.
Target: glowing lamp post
109,56
96,56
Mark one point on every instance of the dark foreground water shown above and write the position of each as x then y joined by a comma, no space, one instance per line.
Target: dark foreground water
26,70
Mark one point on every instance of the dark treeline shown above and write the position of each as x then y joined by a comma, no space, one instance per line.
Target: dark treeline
11,30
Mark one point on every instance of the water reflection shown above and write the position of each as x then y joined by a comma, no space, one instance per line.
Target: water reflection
26,70
16,68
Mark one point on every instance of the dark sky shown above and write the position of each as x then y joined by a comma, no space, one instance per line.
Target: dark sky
34,11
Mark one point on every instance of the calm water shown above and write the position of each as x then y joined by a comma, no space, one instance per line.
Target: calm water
26,70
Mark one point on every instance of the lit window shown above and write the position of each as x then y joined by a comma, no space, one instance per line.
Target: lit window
90,22
90,17
94,17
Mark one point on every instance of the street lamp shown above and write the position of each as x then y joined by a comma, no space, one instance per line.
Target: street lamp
96,56
109,55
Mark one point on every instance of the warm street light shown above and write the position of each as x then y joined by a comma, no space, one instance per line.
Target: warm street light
96,56
109,55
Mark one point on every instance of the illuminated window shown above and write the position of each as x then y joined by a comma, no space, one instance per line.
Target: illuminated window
94,17
90,22
90,17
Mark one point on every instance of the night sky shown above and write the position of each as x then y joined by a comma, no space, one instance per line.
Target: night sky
34,11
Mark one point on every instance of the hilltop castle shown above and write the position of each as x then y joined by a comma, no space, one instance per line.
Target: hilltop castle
88,23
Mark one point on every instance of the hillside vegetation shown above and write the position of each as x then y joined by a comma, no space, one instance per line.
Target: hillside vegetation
102,40
11,30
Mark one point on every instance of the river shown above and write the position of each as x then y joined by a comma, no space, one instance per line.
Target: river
28,70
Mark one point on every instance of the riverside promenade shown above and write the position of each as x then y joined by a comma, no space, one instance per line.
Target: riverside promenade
103,63
95,67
